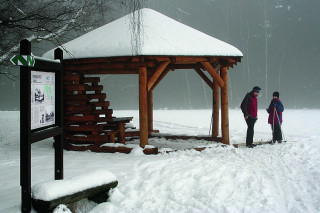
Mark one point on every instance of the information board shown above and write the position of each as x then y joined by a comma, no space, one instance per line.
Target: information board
42,99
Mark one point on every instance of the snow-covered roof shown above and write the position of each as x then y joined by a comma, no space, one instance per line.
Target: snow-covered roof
160,35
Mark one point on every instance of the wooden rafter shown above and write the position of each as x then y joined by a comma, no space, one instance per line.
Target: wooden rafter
164,73
204,77
152,80
213,73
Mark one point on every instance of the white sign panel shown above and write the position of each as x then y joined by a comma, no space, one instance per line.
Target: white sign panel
42,99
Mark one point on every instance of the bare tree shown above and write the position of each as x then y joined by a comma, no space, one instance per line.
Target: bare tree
53,21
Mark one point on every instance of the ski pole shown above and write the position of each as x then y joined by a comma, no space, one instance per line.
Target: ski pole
274,108
280,126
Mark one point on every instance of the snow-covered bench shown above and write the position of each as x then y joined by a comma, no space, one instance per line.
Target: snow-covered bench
94,186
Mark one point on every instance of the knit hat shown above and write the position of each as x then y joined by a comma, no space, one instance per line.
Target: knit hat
276,94
256,89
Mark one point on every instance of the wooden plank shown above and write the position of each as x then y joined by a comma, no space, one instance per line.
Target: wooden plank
213,73
204,77
152,80
143,107
224,106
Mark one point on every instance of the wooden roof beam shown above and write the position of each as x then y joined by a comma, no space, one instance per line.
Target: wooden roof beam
104,71
152,80
214,74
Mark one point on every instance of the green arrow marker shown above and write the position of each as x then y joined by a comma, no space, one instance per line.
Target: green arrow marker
23,60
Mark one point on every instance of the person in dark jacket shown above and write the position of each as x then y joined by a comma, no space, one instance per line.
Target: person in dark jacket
249,107
275,110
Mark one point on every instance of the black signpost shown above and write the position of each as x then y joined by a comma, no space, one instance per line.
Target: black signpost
29,135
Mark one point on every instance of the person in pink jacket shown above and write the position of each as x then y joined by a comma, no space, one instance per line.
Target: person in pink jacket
275,110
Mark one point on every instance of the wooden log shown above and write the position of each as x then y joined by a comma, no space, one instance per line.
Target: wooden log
143,107
152,80
150,110
90,80
160,78
93,88
92,138
224,106
98,194
204,77
136,133
106,71
100,104
215,106
121,119
85,118
109,66
184,66
79,87
121,136
103,111
104,119
68,102
84,128
213,73
82,97
75,112
77,108
71,78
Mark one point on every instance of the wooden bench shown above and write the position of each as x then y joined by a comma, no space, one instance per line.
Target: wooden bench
94,186
120,123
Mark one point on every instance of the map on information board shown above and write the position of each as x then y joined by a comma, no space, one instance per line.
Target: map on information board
42,99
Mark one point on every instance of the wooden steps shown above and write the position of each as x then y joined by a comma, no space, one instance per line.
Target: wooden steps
88,119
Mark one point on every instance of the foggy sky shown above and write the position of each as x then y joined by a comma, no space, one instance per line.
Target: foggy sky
280,41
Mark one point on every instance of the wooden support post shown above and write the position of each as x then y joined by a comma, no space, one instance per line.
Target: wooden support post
215,107
224,106
150,110
143,106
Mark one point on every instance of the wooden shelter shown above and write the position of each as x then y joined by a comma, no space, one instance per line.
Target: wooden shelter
167,45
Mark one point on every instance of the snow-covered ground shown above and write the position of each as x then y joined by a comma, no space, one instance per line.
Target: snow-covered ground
269,178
